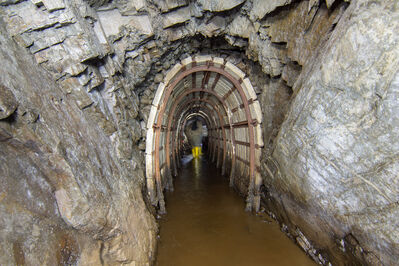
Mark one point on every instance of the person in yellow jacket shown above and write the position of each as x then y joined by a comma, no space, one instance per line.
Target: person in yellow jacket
194,134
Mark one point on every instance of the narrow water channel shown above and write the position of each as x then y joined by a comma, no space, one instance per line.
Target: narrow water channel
206,224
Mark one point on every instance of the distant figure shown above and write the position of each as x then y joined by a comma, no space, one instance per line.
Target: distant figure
194,136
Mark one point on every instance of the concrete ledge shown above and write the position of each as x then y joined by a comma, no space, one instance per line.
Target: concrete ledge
158,94
258,154
149,171
151,117
186,61
218,61
249,90
172,73
148,141
203,58
256,111
235,71
258,135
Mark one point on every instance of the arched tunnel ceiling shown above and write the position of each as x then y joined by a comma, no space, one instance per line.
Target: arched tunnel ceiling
219,92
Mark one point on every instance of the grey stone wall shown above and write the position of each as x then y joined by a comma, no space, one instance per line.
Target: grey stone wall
337,149
67,197
84,73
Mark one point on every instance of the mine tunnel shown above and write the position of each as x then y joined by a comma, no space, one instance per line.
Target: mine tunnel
298,100
223,96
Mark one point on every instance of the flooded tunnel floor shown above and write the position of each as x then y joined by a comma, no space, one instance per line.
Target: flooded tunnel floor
206,224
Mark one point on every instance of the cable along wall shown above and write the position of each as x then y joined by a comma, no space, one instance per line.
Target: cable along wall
223,96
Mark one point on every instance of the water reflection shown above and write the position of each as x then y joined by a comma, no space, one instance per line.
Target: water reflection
196,165
206,225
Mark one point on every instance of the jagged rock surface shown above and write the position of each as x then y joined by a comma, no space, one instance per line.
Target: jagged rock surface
341,133
68,196
92,101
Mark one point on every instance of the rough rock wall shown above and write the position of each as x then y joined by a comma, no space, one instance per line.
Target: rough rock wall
335,164
68,194
107,57
113,68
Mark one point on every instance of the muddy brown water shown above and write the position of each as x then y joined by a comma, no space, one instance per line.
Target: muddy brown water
206,224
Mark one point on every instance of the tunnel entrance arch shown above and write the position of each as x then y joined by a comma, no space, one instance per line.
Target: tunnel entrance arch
222,94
